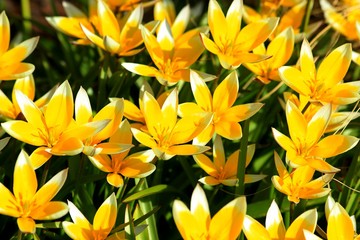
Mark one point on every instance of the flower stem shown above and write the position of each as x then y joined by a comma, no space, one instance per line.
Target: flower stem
292,212
26,14
240,188
45,173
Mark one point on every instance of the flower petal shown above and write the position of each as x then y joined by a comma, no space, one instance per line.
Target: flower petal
306,220
253,230
226,93
339,224
274,222
50,211
105,216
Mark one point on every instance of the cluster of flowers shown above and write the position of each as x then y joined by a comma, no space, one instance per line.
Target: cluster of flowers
56,124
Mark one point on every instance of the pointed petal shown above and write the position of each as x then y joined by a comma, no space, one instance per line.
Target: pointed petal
135,168
60,109
153,114
83,110
321,166
209,180
102,162
50,211
334,145
153,47
50,189
143,138
115,180
339,224
206,164
70,147
8,204
218,153
201,92
297,124
19,53
217,21
281,48
169,111
165,38
229,130
241,112
39,156
274,222
26,225
253,230
209,44
317,125
105,216
227,223
199,208
132,112
141,69
226,93
233,19
307,63
334,67
24,132
4,33
295,79
109,25
181,21
253,34
184,220
77,217
75,231
284,141
24,172
98,41
187,149
307,221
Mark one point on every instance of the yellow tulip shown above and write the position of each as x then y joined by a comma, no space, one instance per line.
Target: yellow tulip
28,204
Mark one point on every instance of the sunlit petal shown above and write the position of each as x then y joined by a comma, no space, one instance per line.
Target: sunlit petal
105,216
253,230
306,220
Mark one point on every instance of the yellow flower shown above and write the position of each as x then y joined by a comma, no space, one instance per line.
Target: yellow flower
305,146
104,221
197,223
137,165
70,25
325,84
292,14
275,228
221,171
128,5
298,185
340,224
116,38
342,18
11,65
28,204
166,135
231,44
26,85
51,129
112,112
280,50
226,117
172,57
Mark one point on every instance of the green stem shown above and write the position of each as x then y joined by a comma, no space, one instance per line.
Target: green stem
292,212
101,98
146,206
158,172
121,191
26,14
45,173
188,170
20,235
240,188
306,20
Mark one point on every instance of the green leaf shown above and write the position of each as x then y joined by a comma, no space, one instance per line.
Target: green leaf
148,192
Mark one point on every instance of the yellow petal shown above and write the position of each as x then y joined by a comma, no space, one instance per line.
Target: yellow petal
102,162
165,38
105,216
293,17
217,21
122,134
241,112
334,145
39,156
98,41
229,130
201,92
75,231
130,36
253,230
226,93
205,136
339,224
307,221
218,153
83,110
132,112
233,19
227,223
187,149
70,146
253,34
297,124
7,108
141,69
169,110
280,167
50,211
274,222
19,52
26,225
24,132
284,141
4,33
114,111
153,114
321,166
333,68
60,109
281,48
77,217
143,138
317,125
206,164
135,168
24,172
188,109
111,45
8,204
109,25
50,189
295,79
200,209
153,47
27,86
181,21
209,44
209,180
115,180
184,220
